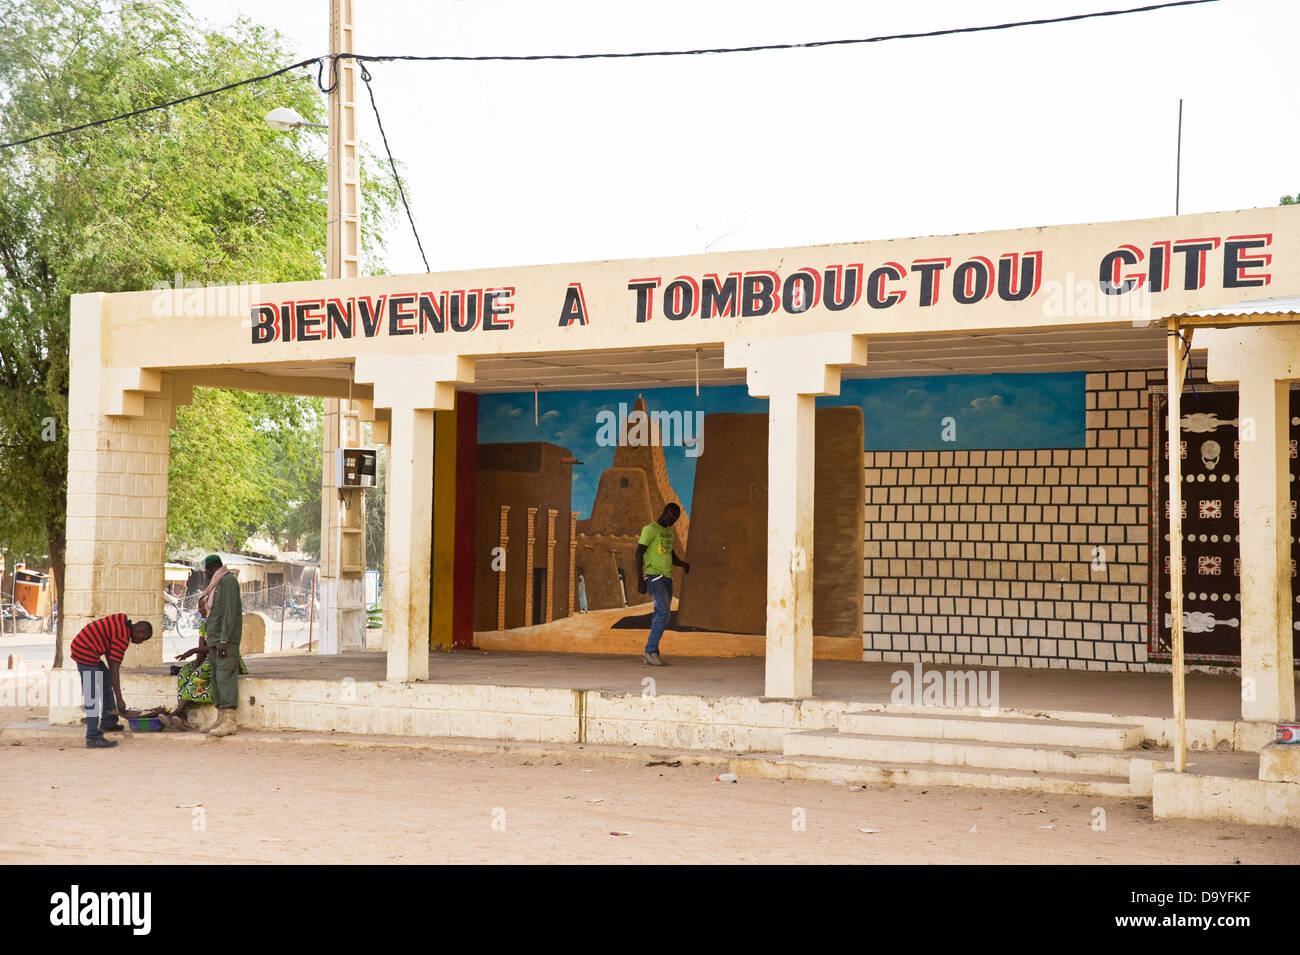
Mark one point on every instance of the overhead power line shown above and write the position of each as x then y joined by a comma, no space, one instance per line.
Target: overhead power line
365,77
332,59
167,105
361,59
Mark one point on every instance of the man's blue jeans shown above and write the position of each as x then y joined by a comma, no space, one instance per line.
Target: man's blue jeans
97,699
661,590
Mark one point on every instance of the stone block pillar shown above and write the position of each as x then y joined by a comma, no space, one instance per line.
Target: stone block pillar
119,434
790,372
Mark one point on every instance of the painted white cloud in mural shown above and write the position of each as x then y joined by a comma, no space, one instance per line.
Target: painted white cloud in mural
991,403
550,414
1202,422
1198,621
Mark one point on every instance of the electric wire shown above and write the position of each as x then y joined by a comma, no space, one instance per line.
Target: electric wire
333,58
365,78
362,59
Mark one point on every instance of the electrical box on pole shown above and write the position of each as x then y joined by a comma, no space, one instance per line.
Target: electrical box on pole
354,467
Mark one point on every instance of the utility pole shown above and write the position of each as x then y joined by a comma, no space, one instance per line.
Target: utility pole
343,524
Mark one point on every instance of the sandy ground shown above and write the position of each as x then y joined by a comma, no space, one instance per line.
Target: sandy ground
165,800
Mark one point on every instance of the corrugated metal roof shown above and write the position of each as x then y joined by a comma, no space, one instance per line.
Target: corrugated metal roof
1259,306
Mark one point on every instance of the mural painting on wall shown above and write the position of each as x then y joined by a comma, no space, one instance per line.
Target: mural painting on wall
564,489
1209,452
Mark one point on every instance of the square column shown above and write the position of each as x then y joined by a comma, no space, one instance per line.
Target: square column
408,556
1263,360
413,388
790,372
790,442
1265,545
119,449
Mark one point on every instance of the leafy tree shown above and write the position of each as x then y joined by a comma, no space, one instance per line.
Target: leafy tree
1290,200
242,464
205,190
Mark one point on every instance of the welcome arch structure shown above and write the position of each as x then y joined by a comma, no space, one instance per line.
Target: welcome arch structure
788,323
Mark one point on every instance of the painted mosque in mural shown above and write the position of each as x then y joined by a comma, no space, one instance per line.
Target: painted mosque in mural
564,488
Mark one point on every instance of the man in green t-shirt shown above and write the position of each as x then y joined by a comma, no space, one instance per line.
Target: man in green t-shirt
655,561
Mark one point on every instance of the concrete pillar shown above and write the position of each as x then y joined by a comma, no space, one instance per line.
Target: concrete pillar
1263,360
118,453
1265,545
789,544
341,591
410,542
343,523
790,372
412,387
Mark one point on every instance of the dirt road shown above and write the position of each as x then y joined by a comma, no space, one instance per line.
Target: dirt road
236,800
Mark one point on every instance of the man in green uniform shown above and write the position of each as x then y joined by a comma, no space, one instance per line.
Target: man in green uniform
655,561
222,629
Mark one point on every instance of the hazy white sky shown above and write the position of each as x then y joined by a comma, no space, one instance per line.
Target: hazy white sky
521,163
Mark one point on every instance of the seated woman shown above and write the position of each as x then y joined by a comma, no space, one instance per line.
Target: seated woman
193,686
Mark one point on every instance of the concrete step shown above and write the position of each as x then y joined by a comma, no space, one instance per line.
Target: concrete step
993,729
912,774
968,753
1205,792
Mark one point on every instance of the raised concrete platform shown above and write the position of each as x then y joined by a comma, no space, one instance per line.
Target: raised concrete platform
696,702
1209,696
1102,734
1280,763
1199,794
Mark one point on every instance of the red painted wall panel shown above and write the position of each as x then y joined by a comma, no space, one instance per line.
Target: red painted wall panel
462,616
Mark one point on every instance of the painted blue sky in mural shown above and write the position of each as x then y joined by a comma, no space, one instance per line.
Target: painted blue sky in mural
901,414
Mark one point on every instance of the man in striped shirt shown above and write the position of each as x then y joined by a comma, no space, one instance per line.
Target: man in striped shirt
98,649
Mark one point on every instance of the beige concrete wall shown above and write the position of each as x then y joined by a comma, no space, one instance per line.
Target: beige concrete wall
556,714
530,714
150,329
